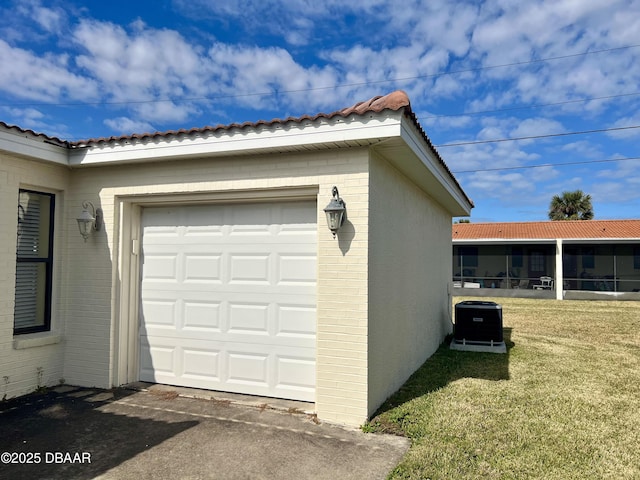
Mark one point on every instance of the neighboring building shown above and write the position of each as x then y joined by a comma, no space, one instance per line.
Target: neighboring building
214,267
553,259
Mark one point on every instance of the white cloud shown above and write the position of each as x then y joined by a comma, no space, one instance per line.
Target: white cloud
583,149
536,127
26,115
146,67
125,125
511,187
50,18
145,61
444,122
34,119
45,78
619,183
239,71
612,193
627,134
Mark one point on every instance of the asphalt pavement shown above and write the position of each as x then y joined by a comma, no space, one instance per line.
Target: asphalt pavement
164,433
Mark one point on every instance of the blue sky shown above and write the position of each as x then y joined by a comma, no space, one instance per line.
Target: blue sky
475,71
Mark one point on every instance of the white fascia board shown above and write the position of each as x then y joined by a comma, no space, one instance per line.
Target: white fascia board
374,127
565,241
502,241
456,203
26,145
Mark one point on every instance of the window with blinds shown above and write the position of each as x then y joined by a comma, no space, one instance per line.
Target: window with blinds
34,262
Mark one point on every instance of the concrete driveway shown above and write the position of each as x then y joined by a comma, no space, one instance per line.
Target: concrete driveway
78,433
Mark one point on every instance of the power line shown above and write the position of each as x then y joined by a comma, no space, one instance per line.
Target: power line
535,137
332,87
524,107
583,162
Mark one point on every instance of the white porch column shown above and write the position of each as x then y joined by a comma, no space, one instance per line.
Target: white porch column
559,282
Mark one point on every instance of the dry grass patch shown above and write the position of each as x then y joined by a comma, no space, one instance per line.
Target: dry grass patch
563,403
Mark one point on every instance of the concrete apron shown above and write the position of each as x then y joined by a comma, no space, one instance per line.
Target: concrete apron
158,432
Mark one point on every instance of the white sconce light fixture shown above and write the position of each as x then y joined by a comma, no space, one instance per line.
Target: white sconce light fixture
336,212
89,221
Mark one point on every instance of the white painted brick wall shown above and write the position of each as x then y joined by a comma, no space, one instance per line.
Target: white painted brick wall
23,370
362,313
409,269
342,262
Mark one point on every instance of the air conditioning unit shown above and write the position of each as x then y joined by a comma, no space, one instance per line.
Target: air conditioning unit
478,327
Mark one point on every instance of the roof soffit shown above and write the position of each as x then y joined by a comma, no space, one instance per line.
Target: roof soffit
413,154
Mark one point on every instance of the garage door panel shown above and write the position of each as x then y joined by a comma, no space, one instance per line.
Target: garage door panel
285,325
198,232
245,368
228,298
160,313
201,220
295,372
296,321
202,267
156,359
161,268
248,318
248,268
248,368
203,317
201,363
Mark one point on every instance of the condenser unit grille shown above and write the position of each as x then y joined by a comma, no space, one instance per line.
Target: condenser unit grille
478,321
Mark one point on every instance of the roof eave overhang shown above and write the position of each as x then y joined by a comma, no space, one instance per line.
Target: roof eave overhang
412,155
516,241
306,135
502,241
25,145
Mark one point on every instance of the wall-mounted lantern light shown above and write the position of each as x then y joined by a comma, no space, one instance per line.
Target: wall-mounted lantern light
336,212
89,221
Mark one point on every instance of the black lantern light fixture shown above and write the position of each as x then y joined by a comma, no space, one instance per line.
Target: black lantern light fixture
336,212
89,221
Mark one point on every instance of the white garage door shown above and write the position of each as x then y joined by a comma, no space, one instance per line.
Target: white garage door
228,298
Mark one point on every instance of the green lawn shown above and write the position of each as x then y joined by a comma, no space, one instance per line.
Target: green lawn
563,403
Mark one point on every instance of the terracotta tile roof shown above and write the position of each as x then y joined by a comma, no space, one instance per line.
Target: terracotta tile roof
392,101
570,229
42,136
395,101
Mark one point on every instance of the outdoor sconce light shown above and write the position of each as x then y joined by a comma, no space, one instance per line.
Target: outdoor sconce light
89,221
336,212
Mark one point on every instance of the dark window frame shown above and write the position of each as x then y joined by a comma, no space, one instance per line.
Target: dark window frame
538,261
47,261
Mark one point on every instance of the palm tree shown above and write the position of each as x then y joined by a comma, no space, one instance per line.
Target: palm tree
571,206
